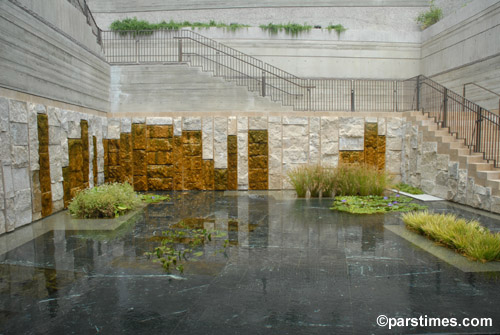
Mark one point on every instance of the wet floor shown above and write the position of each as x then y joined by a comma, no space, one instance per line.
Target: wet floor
290,267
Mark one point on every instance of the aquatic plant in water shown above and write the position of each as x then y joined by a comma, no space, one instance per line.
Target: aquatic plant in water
374,204
182,242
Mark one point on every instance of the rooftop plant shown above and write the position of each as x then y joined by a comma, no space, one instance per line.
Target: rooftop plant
337,27
431,16
134,24
466,237
289,28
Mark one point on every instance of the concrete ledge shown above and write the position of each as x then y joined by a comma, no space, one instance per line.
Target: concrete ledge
63,221
421,197
443,253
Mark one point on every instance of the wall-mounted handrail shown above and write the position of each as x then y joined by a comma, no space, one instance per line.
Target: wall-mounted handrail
483,88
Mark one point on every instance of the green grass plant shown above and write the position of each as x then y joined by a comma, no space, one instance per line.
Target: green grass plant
104,201
133,24
466,237
408,188
374,204
346,179
289,28
360,179
431,16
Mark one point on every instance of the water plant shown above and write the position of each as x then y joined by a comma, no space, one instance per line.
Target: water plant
429,17
104,201
150,198
374,204
466,237
408,188
181,242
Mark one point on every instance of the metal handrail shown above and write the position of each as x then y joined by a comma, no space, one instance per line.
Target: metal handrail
242,60
476,126
90,18
483,88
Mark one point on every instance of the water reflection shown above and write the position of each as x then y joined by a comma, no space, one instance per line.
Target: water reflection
291,266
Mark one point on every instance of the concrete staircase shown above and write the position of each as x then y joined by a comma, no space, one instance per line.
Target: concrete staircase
483,172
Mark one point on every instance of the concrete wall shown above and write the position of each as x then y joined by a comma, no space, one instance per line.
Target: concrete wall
158,89
65,17
36,57
464,47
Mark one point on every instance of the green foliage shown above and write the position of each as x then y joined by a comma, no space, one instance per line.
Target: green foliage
337,27
346,179
374,204
289,28
360,179
154,198
428,18
408,189
135,25
177,245
467,237
104,201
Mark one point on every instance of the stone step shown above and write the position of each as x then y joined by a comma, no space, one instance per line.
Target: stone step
481,166
487,175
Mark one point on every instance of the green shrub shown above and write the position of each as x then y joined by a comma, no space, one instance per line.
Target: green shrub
289,28
428,18
374,204
104,201
346,179
408,188
337,27
467,237
134,24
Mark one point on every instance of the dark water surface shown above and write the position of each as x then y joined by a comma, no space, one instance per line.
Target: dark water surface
291,267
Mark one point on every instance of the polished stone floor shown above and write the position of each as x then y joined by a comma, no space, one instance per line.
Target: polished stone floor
292,267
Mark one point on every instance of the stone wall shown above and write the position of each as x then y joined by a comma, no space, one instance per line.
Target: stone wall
46,157
433,170
245,152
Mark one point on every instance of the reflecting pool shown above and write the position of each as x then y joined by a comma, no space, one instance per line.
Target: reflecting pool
291,266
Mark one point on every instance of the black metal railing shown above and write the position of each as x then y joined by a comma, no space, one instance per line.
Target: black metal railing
479,128
476,126
82,6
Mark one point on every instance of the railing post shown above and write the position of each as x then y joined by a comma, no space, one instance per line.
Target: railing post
479,122
308,98
395,86
418,93
263,88
179,49
137,47
444,124
352,96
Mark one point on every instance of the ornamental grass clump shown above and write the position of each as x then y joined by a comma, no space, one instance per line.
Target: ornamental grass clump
360,179
346,179
466,237
104,201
